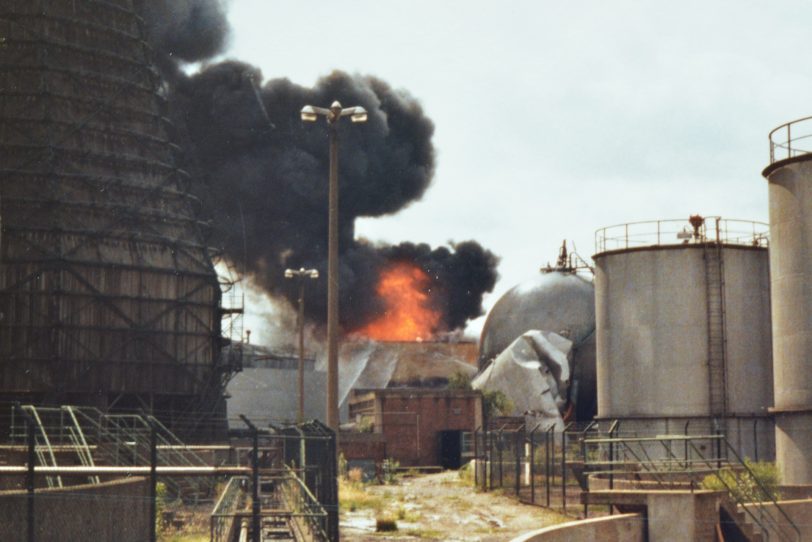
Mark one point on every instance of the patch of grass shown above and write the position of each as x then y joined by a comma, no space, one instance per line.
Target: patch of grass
744,487
185,538
426,534
354,496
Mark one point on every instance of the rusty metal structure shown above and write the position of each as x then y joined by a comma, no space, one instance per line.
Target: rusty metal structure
108,295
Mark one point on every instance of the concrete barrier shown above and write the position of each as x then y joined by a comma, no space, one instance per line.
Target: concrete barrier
117,510
619,528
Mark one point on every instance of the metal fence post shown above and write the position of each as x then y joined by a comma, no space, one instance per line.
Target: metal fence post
517,443
31,437
255,504
533,464
548,446
153,482
564,468
476,459
499,446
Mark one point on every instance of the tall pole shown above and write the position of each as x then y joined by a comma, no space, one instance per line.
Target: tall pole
301,348
310,113
332,282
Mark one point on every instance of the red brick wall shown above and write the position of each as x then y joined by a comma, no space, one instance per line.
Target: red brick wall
411,423
362,446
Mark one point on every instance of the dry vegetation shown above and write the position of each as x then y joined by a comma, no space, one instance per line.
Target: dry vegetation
441,506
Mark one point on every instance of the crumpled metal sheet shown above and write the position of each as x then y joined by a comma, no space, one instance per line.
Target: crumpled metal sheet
534,373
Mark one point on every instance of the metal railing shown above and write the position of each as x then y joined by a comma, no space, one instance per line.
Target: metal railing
224,519
541,466
684,461
301,503
116,439
791,139
680,231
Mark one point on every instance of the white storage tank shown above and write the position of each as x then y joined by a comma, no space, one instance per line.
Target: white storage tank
790,192
683,329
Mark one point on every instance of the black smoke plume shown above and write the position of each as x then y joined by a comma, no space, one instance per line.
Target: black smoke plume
263,176
184,30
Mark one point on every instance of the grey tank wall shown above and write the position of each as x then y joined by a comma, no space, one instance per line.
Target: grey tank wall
652,337
790,196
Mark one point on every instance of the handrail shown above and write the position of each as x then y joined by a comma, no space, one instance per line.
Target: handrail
743,487
651,233
762,488
223,515
783,148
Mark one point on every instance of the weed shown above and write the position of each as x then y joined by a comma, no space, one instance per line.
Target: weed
385,524
743,486
354,496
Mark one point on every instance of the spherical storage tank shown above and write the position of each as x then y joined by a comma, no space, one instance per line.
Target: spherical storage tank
683,329
558,300
108,296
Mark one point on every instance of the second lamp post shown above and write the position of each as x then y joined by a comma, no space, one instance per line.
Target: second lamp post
301,274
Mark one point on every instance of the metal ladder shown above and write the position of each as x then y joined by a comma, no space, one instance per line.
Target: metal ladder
717,340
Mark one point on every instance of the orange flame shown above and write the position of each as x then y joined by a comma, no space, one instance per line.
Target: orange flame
408,316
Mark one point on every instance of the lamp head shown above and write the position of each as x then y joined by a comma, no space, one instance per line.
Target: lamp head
309,114
359,114
288,273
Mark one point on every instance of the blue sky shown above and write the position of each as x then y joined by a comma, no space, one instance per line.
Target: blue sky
556,118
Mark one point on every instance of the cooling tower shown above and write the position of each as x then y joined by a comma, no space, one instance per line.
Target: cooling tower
789,175
683,330
108,296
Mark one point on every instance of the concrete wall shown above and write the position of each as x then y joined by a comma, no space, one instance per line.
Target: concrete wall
682,515
116,510
652,335
620,528
790,196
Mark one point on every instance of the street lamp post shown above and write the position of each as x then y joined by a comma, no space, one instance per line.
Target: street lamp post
301,274
333,115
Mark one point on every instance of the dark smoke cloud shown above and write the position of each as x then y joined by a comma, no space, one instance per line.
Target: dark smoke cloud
184,30
263,173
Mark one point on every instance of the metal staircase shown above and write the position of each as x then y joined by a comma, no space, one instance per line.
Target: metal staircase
749,511
109,439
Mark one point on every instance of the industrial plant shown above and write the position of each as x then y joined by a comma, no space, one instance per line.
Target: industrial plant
643,391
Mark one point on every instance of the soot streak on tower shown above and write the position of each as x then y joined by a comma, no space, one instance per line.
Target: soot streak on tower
108,296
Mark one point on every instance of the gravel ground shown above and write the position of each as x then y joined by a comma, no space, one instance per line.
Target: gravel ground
437,507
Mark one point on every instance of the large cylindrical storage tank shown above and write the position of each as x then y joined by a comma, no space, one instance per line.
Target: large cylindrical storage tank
108,296
790,194
683,330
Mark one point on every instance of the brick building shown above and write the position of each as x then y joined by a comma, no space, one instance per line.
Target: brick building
420,427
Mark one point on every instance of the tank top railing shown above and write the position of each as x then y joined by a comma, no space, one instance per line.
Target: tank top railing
791,139
681,232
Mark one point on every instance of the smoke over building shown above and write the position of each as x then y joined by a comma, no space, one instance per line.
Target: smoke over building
263,174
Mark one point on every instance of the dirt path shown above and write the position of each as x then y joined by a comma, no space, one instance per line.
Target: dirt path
437,507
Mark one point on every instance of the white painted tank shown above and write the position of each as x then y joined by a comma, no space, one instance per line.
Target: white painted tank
683,329
790,192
